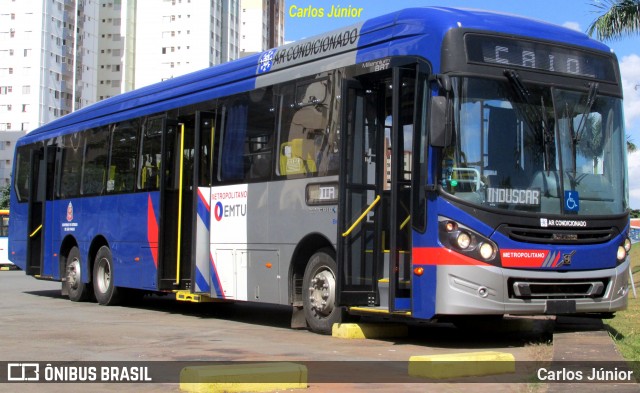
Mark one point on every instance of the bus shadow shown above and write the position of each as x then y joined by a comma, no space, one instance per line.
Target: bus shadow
473,333
50,293
271,315
480,333
245,312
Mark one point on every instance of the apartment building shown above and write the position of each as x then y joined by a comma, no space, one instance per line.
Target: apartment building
112,56
175,37
57,56
48,65
261,25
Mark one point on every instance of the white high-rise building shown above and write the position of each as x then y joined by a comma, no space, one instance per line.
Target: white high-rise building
111,44
57,56
154,40
48,52
175,37
261,25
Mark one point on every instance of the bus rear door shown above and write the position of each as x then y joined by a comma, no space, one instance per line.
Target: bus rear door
43,163
176,202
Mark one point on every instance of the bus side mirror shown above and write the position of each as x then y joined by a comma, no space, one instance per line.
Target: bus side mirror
439,130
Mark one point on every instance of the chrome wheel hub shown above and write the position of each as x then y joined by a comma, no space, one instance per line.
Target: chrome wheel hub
322,292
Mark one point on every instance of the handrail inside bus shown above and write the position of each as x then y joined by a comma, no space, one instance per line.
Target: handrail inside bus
362,216
405,222
36,231
180,204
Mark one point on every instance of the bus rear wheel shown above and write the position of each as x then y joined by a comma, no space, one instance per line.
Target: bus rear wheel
319,292
75,288
107,294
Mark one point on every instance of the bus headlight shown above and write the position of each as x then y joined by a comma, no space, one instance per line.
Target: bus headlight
622,253
487,251
623,250
464,240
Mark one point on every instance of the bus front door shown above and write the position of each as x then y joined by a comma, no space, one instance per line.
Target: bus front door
374,239
359,247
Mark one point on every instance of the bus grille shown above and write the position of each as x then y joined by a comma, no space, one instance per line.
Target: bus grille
558,236
523,288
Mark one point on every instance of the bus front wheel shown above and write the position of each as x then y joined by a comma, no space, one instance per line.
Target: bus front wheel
105,291
319,292
75,288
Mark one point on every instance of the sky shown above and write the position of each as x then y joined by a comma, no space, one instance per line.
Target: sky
574,14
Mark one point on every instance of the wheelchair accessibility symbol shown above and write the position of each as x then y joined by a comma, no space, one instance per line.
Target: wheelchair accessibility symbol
571,201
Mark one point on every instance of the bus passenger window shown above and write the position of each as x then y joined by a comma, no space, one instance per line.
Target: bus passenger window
94,170
151,155
72,152
247,140
23,168
235,132
308,135
260,131
122,167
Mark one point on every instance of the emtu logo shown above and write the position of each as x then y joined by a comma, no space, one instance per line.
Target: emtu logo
220,211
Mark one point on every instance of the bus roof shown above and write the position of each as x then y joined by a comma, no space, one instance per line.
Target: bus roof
240,75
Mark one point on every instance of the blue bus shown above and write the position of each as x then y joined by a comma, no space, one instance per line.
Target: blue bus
433,163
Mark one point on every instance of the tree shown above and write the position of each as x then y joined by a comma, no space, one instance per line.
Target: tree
631,147
618,18
4,197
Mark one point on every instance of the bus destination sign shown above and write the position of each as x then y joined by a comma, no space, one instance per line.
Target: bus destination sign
509,52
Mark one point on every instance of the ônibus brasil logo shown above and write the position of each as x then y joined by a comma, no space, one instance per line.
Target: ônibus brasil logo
237,210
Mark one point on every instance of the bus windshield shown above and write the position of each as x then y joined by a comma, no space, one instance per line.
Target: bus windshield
536,148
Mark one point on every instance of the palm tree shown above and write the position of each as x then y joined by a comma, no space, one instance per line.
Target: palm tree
619,18
631,147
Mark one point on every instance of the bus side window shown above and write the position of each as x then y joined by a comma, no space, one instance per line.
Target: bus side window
235,131
94,170
247,137
307,144
122,167
151,155
260,132
22,173
72,155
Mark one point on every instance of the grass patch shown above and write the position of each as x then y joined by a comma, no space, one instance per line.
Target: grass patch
625,327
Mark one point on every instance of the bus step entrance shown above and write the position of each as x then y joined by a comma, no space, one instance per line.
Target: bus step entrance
171,284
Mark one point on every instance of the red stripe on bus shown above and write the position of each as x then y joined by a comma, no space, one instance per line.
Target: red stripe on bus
204,200
152,231
442,256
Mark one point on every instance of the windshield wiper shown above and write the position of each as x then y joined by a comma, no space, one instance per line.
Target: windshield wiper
537,120
591,99
576,133
547,137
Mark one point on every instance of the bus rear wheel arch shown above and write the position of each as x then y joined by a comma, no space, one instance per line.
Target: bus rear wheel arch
107,294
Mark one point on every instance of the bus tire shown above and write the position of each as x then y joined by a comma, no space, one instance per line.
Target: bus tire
107,294
319,292
75,288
